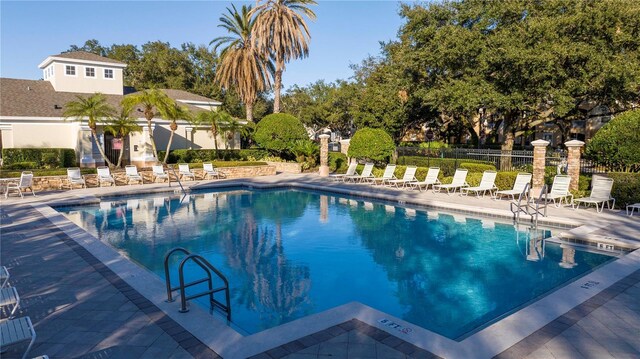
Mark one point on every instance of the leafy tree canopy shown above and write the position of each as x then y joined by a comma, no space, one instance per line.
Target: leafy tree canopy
279,133
617,144
372,144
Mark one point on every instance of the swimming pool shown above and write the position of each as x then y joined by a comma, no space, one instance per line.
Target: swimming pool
291,253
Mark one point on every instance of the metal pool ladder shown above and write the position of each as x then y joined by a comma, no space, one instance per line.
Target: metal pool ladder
210,271
529,206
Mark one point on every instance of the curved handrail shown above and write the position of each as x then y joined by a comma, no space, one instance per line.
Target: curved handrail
208,268
166,270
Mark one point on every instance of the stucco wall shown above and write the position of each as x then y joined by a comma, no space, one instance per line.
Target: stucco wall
82,84
60,135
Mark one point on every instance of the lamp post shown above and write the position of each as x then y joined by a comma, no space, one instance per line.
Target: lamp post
429,136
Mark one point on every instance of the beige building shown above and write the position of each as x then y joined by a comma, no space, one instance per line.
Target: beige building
31,112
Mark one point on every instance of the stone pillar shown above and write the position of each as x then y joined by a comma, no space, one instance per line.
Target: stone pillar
573,162
344,146
324,209
568,257
539,160
324,155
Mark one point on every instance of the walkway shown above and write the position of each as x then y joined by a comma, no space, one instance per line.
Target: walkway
82,309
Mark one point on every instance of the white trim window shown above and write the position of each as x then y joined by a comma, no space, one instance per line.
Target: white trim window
108,73
69,70
90,72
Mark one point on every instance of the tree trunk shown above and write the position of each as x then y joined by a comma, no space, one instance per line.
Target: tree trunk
507,144
214,130
121,155
149,116
249,108
166,155
94,135
277,85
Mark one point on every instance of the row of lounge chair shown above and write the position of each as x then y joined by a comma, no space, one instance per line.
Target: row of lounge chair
105,178
559,192
13,330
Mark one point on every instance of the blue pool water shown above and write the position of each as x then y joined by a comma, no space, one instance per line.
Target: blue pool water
291,253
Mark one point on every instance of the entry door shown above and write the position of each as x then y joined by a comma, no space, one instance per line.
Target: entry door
113,146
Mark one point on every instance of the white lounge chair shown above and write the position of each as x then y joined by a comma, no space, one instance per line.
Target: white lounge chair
430,180
351,170
522,179
600,193
459,181
15,331
159,173
104,176
4,276
132,174
184,171
388,175
210,171
366,173
559,190
487,184
26,181
631,208
9,297
75,177
408,177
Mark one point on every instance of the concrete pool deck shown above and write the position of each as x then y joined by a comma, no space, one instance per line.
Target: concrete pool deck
61,301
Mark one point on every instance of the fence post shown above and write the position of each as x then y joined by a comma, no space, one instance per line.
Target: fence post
573,162
539,162
324,155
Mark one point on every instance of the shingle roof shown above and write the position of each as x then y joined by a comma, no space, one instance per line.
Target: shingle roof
83,55
37,98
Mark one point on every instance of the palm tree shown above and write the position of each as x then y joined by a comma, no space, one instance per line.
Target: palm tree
122,126
242,66
173,113
216,121
281,31
154,102
93,108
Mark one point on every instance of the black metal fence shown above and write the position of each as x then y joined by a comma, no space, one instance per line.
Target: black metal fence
503,160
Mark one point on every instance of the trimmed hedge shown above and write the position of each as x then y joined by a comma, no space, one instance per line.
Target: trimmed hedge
626,188
447,165
338,162
46,172
279,133
42,157
195,156
371,144
229,164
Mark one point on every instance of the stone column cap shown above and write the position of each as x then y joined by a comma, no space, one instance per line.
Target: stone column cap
574,143
324,136
540,142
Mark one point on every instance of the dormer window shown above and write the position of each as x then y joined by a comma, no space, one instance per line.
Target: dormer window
89,72
108,73
70,70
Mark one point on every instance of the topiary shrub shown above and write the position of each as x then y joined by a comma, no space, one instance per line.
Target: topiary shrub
371,144
617,144
477,167
626,188
42,157
338,162
279,132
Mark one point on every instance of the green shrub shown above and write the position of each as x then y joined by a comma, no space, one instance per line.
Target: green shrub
42,157
21,166
338,162
45,172
617,144
229,164
477,167
626,188
201,155
371,144
279,132
447,165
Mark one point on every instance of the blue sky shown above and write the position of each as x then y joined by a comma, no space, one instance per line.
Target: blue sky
344,33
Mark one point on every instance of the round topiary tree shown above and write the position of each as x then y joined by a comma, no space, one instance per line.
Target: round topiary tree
372,144
279,133
617,144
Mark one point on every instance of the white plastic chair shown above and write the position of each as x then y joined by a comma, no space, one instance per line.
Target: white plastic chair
159,173
366,173
75,177
459,181
132,174
388,175
431,179
4,276
26,181
104,176
487,183
17,330
600,194
351,170
560,190
210,171
409,176
522,179
184,171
